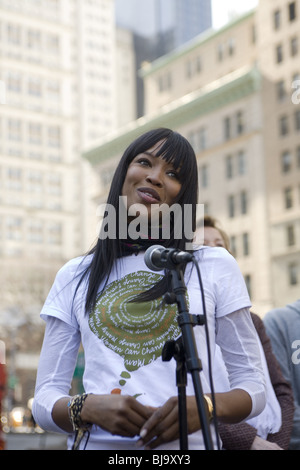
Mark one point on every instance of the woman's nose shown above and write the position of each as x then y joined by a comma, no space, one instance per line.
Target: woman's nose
154,177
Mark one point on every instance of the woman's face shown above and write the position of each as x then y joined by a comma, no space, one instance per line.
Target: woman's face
212,237
150,180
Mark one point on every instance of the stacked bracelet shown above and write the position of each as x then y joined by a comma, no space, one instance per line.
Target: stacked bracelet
75,406
210,407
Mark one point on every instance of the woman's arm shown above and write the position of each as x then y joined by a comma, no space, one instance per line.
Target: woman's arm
122,415
237,339
55,372
117,414
163,425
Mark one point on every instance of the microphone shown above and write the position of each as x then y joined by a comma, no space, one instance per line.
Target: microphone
157,257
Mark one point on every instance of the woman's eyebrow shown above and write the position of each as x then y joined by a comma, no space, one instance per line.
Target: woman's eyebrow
149,153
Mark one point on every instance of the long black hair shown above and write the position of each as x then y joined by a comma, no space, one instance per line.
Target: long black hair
176,150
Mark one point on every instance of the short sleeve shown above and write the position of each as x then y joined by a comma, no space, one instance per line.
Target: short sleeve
229,283
60,300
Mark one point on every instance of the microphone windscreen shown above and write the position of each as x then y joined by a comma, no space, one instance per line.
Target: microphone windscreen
148,257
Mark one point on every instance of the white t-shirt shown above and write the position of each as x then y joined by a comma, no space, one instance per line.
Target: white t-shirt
123,341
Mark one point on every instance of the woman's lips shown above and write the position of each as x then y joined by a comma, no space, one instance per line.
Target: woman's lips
149,195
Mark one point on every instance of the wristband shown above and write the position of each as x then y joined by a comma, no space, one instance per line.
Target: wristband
210,407
74,408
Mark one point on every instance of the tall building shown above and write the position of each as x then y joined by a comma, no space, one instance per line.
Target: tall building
58,96
233,93
160,26
182,19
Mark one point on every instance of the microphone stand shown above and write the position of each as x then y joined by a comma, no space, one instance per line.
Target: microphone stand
184,351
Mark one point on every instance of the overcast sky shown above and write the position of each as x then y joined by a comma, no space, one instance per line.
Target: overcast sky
223,9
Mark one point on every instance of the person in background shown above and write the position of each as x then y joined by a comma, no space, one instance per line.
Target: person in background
283,328
271,429
113,304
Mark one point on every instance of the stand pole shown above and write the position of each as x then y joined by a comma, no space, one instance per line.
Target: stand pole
191,361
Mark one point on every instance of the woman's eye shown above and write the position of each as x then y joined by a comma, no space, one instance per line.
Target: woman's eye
173,174
144,161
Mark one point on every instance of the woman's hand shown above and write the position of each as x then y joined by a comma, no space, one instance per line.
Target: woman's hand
163,424
118,414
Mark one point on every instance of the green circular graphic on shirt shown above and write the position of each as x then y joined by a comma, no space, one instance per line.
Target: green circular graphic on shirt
135,331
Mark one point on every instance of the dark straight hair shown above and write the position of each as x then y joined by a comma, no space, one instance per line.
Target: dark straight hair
176,150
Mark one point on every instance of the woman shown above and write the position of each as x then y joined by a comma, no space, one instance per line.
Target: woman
111,302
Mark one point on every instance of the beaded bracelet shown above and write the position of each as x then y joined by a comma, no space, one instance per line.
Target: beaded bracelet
74,407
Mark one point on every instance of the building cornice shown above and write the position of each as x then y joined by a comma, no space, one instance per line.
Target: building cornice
221,92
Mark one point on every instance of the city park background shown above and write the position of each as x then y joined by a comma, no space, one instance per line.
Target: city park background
239,82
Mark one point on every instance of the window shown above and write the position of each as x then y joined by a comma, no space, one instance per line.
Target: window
253,34
35,133
33,39
277,19
227,128
14,228
198,139
294,46
239,123
164,82
14,130
297,120
242,168
298,156
55,234
293,274
281,91
286,161
193,67
288,198
229,166
34,87
232,246
279,54
246,248
203,176
247,278
290,232
244,202
231,46
35,231
202,138
13,34
231,206
220,52
292,11
54,136
14,83
14,179
52,44
283,125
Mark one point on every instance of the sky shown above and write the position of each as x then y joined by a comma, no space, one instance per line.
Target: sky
222,10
